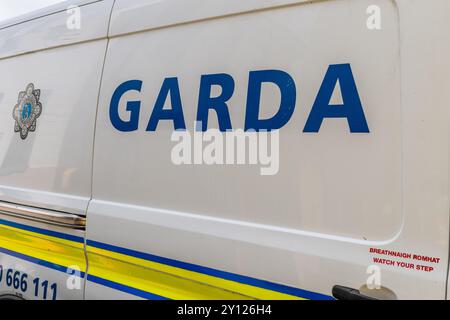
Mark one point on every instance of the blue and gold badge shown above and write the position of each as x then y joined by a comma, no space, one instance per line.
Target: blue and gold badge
27,111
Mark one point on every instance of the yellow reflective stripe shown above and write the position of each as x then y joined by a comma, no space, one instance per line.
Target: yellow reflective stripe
153,277
171,282
62,252
155,282
62,241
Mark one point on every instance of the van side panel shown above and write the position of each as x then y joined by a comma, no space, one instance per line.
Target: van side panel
345,207
52,167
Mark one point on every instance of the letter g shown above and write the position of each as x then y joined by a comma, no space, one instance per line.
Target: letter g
132,106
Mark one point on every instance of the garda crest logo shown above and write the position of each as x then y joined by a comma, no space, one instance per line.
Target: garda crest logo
27,111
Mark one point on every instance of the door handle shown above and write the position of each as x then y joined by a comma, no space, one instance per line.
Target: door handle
43,215
345,293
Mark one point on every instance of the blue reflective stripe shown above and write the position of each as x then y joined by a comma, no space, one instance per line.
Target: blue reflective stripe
42,231
213,272
150,257
37,261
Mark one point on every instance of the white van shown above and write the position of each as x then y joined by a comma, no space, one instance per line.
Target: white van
109,111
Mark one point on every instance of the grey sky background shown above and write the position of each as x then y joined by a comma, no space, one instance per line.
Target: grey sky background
13,8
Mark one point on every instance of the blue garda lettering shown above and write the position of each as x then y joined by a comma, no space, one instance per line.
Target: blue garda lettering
351,109
170,86
133,107
218,104
287,105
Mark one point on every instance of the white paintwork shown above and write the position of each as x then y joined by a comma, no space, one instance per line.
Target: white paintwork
46,11
310,164
52,167
140,15
336,195
51,30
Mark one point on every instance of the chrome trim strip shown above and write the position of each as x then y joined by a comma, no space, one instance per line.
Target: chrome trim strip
43,215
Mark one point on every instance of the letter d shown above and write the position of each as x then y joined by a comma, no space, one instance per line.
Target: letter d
287,105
